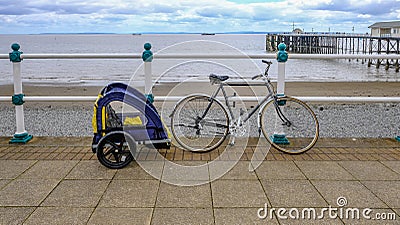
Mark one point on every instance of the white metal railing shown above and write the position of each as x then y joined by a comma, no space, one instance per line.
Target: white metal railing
177,98
21,134
203,56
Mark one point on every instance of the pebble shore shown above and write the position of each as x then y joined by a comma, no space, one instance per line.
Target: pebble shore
336,120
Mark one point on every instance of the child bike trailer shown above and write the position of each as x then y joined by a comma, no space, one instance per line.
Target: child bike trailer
117,133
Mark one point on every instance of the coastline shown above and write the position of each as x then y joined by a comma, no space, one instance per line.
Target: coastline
366,89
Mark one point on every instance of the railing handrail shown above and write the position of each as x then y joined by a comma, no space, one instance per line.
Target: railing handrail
200,56
177,98
203,56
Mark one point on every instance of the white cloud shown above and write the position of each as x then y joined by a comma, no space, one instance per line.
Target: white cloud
190,15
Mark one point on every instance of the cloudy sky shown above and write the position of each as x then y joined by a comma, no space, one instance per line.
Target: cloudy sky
136,16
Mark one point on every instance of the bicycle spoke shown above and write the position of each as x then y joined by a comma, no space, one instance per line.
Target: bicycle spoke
292,127
109,152
116,157
198,124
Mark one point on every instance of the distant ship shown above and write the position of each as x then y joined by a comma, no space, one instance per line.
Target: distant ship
136,34
208,34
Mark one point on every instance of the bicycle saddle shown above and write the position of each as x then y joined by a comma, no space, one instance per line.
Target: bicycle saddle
217,77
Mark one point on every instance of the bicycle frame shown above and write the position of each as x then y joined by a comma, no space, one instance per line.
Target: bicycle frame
226,97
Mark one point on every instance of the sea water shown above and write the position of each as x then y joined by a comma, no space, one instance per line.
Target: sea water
103,71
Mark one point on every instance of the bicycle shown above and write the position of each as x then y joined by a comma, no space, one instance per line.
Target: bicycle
201,123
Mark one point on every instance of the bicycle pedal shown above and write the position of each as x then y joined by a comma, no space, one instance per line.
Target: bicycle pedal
232,142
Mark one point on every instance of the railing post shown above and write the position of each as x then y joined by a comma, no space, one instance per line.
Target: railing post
20,136
282,57
279,137
147,57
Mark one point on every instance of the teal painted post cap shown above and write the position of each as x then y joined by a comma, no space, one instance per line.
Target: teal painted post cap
147,55
282,55
149,97
15,55
18,99
282,47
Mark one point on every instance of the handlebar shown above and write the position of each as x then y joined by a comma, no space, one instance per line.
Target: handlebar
269,63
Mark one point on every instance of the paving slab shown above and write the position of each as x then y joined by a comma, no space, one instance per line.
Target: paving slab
387,191
240,170
130,193
14,215
323,170
186,197
26,192
363,171
239,216
59,215
182,216
90,169
292,193
49,169
369,170
4,182
393,165
143,170
238,193
10,169
186,172
77,193
279,170
354,193
121,216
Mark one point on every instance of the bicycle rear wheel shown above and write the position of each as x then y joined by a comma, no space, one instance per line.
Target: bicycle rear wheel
289,125
199,123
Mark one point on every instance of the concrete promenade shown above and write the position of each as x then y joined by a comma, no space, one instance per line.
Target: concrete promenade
59,181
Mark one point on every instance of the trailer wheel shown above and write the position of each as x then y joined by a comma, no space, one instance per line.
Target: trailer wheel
113,150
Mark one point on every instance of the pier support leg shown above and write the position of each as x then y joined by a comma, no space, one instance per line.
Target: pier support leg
387,65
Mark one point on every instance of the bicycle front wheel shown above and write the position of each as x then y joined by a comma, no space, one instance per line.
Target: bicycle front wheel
199,123
289,125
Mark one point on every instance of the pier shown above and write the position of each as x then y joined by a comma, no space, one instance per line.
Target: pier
339,44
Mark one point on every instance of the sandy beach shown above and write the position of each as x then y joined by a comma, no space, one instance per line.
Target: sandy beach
367,89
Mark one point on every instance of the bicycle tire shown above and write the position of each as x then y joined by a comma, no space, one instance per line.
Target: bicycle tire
204,135
113,150
294,137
